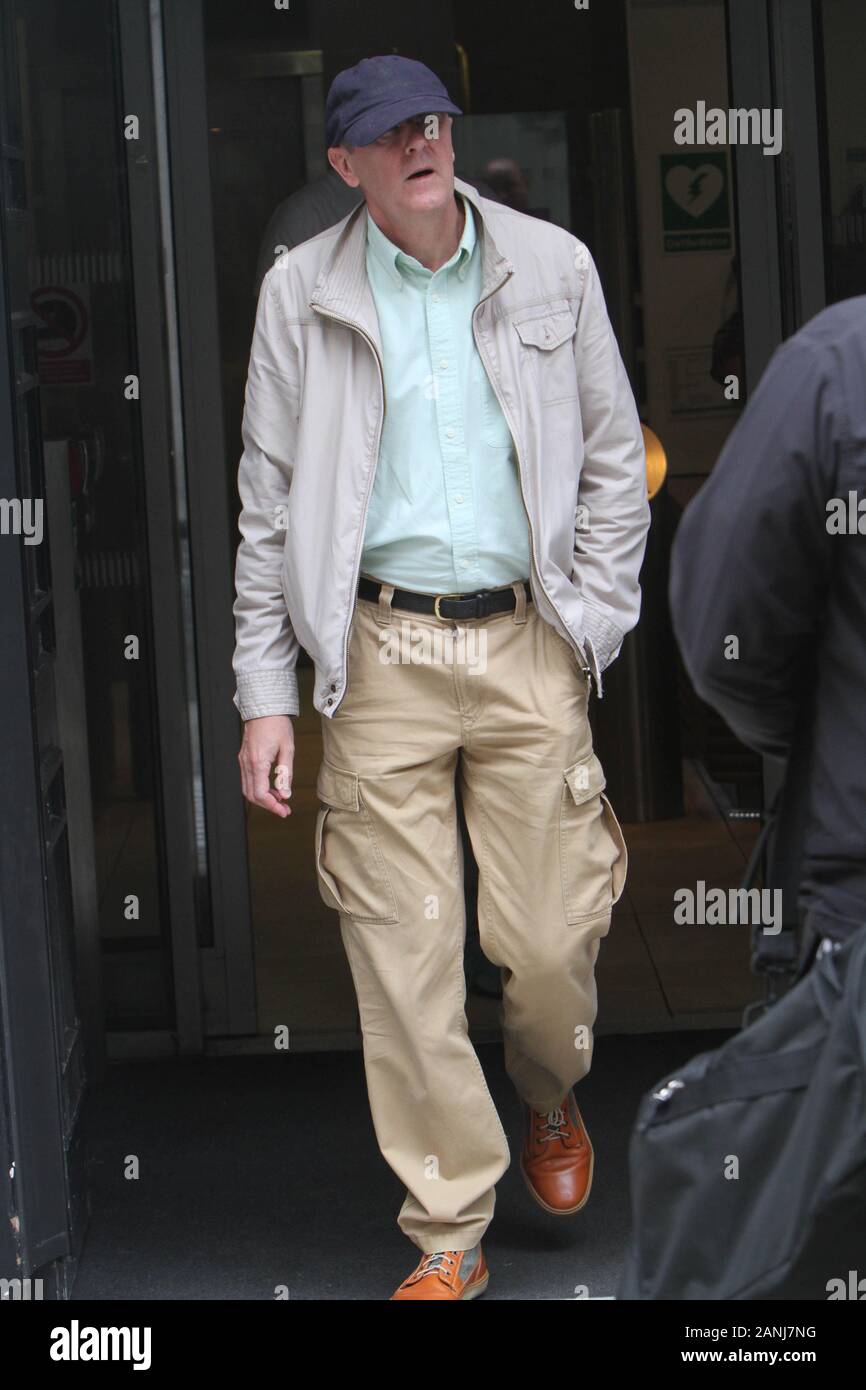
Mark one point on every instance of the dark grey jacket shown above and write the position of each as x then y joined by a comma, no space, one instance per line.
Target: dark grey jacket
772,551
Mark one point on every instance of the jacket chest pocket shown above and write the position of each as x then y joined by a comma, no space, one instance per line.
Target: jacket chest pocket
547,351
352,874
593,855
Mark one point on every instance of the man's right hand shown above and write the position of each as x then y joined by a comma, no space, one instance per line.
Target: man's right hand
267,742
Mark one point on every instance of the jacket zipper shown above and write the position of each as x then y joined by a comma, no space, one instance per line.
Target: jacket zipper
578,648
357,564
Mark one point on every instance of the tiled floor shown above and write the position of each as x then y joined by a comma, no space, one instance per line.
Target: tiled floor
652,973
264,1173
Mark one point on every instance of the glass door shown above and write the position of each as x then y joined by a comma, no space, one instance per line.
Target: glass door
109,411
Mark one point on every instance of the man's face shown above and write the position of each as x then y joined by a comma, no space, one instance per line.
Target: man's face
408,170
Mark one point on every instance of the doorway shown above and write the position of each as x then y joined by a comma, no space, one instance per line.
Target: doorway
201,919
571,121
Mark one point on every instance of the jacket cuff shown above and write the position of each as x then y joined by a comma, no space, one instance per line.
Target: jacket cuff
606,639
260,693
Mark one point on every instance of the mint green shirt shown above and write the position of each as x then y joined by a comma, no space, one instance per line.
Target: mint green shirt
446,513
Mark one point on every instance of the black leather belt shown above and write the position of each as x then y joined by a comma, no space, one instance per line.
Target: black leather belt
479,604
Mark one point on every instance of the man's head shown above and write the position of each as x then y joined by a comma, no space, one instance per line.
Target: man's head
388,126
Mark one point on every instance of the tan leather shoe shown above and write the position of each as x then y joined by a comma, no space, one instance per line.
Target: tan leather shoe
447,1274
557,1157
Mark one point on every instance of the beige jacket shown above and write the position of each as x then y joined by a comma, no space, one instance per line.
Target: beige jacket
312,423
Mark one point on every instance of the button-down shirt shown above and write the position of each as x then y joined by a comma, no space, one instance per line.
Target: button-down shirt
446,513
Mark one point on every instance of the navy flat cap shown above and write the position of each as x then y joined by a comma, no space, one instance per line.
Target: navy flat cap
378,94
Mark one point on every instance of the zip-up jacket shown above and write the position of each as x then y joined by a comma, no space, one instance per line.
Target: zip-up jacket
313,413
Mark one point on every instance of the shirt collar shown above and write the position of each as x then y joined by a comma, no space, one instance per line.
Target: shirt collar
397,263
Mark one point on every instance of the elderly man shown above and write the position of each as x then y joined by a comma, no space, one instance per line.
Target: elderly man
444,501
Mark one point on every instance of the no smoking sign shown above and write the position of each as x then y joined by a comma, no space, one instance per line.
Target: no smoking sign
63,343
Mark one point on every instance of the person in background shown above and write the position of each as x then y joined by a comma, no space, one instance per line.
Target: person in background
313,208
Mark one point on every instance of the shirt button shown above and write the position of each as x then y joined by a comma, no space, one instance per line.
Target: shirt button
458,498
435,298
333,687
466,564
444,364
450,432
329,701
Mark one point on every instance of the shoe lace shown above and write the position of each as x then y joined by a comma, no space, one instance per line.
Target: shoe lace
555,1122
435,1261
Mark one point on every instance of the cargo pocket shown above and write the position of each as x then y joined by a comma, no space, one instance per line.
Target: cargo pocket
593,856
352,875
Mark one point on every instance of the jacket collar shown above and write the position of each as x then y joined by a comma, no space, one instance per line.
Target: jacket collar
343,287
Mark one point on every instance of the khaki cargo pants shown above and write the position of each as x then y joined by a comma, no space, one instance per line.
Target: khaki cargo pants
505,711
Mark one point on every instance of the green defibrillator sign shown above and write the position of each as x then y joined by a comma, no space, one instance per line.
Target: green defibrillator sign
696,204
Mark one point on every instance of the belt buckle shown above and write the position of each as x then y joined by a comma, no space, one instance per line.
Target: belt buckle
438,599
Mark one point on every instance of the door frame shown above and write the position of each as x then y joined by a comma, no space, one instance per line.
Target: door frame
224,954
772,63
43,1058
183,848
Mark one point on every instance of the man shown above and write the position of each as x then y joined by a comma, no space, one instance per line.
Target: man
440,440
768,596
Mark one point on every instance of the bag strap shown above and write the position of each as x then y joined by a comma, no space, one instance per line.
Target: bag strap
742,1080
757,859
774,957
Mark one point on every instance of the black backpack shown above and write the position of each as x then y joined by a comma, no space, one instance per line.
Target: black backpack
786,1099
